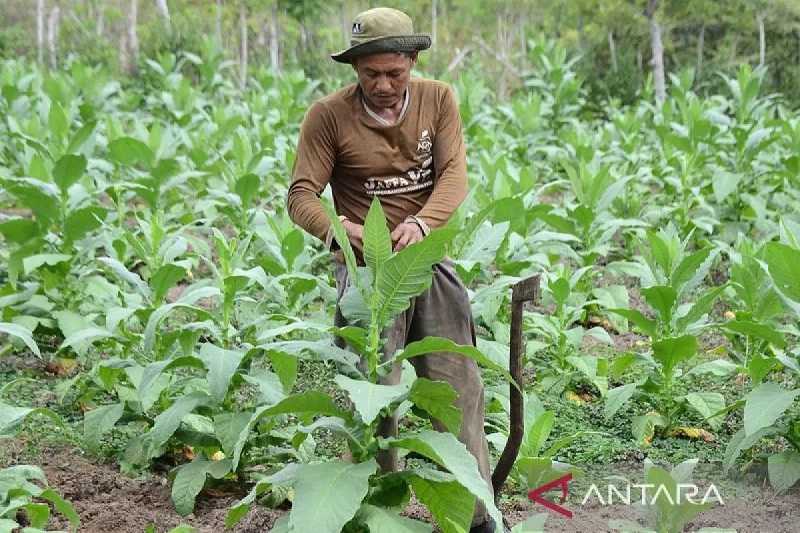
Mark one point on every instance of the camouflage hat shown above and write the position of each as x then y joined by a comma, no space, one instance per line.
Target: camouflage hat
381,30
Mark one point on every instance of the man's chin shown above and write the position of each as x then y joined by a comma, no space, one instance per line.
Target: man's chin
384,102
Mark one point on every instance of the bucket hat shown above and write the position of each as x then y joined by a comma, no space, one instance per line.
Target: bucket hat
381,30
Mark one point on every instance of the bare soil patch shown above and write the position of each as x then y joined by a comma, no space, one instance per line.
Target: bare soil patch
108,501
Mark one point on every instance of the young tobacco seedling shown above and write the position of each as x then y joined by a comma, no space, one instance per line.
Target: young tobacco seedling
671,273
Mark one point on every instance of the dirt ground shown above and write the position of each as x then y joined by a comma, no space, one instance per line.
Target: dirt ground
108,501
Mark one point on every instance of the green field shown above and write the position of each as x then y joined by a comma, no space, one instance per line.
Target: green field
163,318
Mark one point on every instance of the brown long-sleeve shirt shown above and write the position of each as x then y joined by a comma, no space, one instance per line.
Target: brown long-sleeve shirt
416,166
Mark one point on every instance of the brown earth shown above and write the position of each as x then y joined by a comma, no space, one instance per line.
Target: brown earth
108,501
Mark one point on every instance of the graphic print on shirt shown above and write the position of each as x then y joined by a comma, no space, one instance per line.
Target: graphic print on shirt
416,178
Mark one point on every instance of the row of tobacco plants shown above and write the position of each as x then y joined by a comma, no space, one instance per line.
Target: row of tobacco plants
147,256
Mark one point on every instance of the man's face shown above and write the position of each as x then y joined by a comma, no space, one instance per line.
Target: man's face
384,77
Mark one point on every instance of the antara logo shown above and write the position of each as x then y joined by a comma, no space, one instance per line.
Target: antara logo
650,494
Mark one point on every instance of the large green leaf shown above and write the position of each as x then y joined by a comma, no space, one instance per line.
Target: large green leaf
784,470
765,405
57,120
19,230
126,275
328,495
340,235
269,385
165,278
673,511
643,427
81,221
616,398
447,451
662,299
784,267
167,422
222,365
717,367
147,385
451,505
408,273
432,345
647,326
379,519
247,187
700,308
40,197
12,416
32,262
688,268
62,506
707,404
537,434
437,398
228,427
741,441
185,302
99,421
305,404
21,333
674,350
129,151
532,524
190,479
68,170
377,240
369,398
85,336
756,330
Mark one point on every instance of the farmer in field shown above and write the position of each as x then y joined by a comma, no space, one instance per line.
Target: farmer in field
398,139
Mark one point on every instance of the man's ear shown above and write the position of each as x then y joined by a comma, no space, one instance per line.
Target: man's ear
353,63
413,57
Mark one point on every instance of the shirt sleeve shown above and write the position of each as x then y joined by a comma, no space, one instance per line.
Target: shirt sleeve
450,162
313,165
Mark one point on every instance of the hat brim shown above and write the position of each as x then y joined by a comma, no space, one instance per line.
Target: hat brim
397,43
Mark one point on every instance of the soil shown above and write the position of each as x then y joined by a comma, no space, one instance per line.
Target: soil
108,501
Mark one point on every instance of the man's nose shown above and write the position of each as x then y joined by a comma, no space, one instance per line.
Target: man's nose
384,84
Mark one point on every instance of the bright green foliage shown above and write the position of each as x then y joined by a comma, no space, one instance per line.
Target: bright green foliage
20,492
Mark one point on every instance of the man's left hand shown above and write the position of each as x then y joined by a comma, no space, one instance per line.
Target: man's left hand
404,234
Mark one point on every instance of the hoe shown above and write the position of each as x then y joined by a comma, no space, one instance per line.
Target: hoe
526,290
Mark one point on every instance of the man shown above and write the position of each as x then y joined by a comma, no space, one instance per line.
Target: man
399,139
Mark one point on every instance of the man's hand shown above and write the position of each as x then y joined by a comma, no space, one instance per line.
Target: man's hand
404,234
355,232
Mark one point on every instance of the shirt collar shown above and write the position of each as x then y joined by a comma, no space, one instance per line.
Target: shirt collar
382,121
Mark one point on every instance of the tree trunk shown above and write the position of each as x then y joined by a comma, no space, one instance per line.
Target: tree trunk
132,39
40,31
346,30
274,41
701,41
523,43
613,49
163,10
218,23
243,49
658,52
762,42
52,35
434,23
100,21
